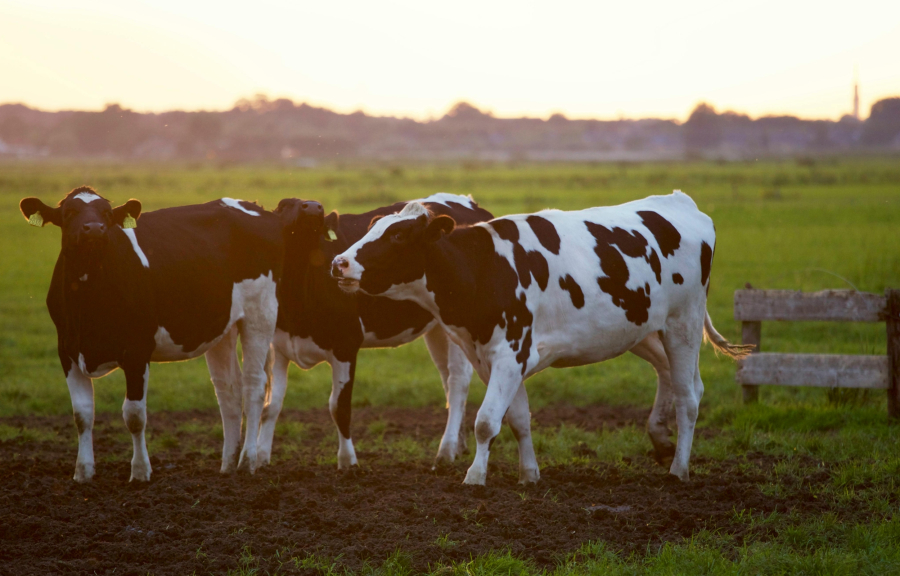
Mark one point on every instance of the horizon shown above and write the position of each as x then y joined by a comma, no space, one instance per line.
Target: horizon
407,60
239,101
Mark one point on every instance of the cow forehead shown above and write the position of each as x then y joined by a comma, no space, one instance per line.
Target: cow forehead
382,224
86,197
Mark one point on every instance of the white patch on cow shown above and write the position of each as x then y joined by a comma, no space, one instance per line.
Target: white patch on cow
137,249
236,204
101,370
444,197
83,278
87,197
301,351
371,340
134,412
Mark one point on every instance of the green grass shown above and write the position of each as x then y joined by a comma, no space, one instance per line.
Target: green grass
780,225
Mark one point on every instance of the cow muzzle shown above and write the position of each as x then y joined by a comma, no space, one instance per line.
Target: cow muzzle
92,234
340,267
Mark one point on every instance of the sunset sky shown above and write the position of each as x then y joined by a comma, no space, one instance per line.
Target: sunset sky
415,58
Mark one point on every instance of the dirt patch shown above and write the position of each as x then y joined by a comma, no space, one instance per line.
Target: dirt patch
190,518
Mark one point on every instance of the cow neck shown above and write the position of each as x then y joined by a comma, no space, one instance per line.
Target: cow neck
452,271
112,284
301,277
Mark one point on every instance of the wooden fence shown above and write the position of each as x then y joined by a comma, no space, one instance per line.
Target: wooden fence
752,307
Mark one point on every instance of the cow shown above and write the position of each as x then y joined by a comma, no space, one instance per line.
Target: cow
187,281
318,322
522,293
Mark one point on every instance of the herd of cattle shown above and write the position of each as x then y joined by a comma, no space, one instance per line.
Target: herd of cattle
506,296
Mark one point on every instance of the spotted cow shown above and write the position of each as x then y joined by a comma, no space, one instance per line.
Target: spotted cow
186,281
318,322
522,293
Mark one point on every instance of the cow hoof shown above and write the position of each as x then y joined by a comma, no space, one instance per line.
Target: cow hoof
246,464
263,459
475,477
684,477
346,462
140,475
83,473
445,457
664,454
529,476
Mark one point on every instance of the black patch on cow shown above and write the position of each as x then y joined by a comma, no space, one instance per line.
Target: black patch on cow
666,234
571,286
655,266
531,263
506,229
636,303
677,278
705,262
545,232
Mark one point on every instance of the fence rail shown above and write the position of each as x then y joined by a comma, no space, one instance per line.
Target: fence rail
752,307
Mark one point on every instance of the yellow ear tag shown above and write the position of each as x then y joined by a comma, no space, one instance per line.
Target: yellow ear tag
129,222
331,235
36,219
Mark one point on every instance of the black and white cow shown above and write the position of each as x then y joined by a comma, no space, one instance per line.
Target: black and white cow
522,293
318,322
187,281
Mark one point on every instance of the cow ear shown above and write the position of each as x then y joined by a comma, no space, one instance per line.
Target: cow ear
374,220
331,225
438,226
37,213
127,214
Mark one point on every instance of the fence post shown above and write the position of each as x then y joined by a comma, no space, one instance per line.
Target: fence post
892,322
751,333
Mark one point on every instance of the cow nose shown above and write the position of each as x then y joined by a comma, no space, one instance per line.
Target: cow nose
338,265
94,229
312,208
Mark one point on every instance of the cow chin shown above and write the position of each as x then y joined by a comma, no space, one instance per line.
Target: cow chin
349,285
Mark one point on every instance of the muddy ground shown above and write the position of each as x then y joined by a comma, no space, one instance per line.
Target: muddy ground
190,518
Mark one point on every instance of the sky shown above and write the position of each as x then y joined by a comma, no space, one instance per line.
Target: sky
416,58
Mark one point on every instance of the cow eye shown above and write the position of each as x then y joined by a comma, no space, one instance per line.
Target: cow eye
397,238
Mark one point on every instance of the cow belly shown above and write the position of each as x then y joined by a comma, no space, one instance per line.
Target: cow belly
370,340
301,351
168,351
249,298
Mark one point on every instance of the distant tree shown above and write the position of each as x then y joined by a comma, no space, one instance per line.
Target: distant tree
703,130
883,125
465,111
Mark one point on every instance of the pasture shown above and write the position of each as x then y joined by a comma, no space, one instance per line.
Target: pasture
806,481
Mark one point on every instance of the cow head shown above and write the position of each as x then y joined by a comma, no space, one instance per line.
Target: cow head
302,220
393,251
86,219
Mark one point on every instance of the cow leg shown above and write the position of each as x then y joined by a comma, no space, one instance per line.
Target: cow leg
456,373
272,408
225,372
652,350
255,347
342,376
506,378
519,419
682,341
134,412
81,391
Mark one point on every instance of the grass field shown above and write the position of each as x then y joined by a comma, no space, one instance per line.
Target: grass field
792,225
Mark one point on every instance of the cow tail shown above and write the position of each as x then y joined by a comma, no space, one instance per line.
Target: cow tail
736,351
270,365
